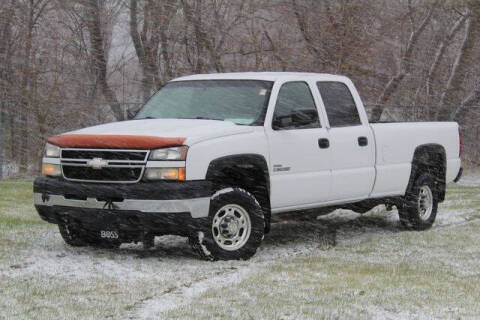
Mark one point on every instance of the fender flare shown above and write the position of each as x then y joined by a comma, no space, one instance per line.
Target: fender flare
224,171
429,148
243,161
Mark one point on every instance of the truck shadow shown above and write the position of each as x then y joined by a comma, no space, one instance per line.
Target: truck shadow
293,233
328,229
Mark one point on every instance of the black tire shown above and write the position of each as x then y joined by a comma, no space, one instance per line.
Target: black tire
412,212
204,241
148,241
72,235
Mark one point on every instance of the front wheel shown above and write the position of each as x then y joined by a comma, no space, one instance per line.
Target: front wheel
234,229
72,235
420,205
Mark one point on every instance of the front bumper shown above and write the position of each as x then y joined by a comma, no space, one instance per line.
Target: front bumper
164,206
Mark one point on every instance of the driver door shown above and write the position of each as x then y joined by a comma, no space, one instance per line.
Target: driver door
299,150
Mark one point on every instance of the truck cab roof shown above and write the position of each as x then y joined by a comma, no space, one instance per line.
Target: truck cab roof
265,76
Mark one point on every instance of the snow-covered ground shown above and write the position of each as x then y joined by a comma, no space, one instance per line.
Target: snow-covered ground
334,266
471,177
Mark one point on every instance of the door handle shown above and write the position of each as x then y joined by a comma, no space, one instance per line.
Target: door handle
362,141
323,143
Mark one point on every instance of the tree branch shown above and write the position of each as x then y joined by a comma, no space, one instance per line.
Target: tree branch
452,93
302,24
405,67
432,73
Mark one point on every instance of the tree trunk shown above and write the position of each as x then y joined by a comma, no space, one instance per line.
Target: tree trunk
193,17
139,49
432,73
98,57
25,99
5,41
451,98
303,26
156,17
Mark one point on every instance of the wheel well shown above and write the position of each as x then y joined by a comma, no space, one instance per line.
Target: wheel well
430,158
246,171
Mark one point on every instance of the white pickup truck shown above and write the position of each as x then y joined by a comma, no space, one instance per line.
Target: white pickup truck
212,157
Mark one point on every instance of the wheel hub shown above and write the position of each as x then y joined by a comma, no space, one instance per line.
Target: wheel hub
231,227
425,202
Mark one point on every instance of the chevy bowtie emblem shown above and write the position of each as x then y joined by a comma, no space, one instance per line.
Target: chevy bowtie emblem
97,163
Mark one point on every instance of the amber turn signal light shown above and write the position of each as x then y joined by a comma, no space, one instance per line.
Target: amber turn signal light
52,170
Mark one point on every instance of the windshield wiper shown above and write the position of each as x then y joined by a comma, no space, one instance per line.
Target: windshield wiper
144,118
199,118
203,118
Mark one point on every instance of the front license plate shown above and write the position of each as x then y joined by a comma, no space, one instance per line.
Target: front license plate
108,234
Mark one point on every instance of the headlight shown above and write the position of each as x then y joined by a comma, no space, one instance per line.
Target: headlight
52,170
165,174
52,151
175,153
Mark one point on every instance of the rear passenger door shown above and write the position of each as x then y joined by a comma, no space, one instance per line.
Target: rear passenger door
351,142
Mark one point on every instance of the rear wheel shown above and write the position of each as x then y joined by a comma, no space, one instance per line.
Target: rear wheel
234,229
420,205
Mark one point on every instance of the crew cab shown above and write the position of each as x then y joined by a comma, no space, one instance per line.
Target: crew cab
212,157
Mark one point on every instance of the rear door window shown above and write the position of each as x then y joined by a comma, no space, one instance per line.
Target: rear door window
339,104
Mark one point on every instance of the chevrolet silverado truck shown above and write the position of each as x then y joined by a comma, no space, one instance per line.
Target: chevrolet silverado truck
213,157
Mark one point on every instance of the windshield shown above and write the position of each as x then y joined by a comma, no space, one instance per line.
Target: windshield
239,101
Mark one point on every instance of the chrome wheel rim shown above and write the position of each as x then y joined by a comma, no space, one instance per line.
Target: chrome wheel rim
231,227
425,203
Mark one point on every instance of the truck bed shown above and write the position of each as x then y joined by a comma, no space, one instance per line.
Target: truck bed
396,143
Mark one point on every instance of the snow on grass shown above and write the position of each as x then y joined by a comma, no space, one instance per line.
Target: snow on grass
335,266
471,177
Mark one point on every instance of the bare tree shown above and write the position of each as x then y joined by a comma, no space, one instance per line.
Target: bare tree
64,56
33,10
406,60
442,47
152,43
454,90
193,17
5,42
98,55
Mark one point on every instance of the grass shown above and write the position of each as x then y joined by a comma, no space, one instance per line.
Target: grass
375,270
419,281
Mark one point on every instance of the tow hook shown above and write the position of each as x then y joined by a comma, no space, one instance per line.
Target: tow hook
45,197
109,205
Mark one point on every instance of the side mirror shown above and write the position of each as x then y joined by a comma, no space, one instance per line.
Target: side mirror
282,122
296,119
304,117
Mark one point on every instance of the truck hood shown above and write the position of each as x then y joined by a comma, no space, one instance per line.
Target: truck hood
173,131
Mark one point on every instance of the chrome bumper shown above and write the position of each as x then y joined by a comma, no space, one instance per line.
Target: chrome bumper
198,208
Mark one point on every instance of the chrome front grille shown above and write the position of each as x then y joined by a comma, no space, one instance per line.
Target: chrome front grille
79,154
103,165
